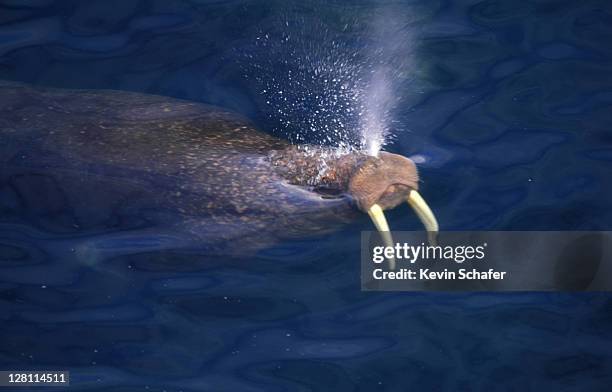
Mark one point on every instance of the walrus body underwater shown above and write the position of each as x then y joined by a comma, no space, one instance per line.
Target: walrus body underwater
80,160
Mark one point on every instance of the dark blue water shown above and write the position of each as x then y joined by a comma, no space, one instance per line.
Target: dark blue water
509,105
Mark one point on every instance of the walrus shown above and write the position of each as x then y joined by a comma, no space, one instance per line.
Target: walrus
110,161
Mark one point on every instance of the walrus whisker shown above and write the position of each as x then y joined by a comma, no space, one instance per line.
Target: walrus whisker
425,214
378,217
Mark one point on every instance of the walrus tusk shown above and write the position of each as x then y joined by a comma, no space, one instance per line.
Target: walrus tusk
378,217
425,215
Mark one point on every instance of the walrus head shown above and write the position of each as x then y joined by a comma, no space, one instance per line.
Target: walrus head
383,182
386,181
373,183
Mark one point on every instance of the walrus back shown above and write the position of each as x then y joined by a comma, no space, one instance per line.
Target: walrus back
112,126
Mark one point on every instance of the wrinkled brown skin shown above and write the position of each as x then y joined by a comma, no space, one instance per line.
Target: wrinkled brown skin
385,180
111,161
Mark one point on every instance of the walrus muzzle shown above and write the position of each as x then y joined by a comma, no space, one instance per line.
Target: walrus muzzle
382,183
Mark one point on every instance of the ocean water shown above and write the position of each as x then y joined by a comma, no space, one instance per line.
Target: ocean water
506,106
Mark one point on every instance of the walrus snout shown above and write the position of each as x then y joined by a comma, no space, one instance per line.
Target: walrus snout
384,182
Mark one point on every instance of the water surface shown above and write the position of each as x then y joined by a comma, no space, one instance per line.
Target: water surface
506,105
